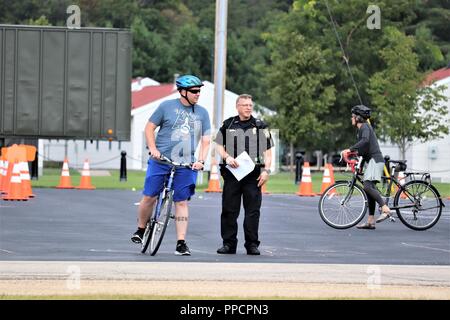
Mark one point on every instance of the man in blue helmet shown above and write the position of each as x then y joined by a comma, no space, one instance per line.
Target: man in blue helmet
183,125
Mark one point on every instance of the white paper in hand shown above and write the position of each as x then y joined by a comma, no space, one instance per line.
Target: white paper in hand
246,165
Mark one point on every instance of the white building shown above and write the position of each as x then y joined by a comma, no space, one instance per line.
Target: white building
432,156
147,94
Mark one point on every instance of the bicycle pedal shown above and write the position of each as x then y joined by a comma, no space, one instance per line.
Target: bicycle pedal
392,219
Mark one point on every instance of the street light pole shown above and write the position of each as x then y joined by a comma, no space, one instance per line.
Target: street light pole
220,61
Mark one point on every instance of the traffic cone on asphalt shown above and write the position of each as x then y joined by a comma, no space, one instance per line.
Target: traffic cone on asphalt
65,181
214,183
328,177
264,189
85,182
305,189
14,191
1,174
7,170
402,180
25,177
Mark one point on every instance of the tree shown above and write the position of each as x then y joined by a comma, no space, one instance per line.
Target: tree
301,87
151,54
405,109
41,21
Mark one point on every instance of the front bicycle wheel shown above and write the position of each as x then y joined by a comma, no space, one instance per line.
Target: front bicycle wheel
342,206
419,206
161,223
147,235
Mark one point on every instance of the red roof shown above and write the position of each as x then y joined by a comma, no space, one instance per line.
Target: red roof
150,93
437,75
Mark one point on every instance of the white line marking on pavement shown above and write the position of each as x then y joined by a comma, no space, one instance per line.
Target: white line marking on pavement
7,251
111,251
424,247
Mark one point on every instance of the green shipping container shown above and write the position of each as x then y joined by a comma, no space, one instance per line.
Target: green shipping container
65,83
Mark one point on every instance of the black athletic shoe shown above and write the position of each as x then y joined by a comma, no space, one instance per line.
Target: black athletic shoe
138,236
182,249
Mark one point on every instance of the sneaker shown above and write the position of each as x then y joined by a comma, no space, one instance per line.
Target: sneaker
182,249
138,236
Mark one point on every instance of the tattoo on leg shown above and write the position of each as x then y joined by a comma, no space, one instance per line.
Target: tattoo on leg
180,219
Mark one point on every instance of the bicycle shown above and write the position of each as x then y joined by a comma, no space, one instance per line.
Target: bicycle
417,203
158,222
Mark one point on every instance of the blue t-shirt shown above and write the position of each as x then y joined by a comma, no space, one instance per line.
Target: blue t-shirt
180,129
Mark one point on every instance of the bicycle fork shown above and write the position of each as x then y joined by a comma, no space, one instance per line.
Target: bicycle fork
168,187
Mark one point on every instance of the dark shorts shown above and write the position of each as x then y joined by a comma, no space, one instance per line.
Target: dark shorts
183,181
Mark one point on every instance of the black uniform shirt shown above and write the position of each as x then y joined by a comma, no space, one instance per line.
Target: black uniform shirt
252,136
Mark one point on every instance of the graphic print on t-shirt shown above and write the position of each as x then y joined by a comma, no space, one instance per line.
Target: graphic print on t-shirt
184,123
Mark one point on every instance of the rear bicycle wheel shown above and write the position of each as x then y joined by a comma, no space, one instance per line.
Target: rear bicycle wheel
419,207
161,223
342,206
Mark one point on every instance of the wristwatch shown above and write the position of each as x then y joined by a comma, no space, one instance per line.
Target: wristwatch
266,170
202,162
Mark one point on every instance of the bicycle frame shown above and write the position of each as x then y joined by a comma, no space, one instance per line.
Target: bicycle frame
356,177
400,188
167,188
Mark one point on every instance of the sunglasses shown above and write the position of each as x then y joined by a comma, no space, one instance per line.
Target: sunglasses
194,91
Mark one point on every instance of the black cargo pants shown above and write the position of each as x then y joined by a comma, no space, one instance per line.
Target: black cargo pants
233,191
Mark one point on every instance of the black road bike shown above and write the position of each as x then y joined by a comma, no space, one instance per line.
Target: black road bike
417,203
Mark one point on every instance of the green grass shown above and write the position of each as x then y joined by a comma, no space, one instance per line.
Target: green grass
278,183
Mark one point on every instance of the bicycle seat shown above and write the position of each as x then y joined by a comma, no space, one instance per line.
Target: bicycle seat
398,161
400,165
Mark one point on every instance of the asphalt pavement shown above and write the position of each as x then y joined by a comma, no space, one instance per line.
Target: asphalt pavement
84,225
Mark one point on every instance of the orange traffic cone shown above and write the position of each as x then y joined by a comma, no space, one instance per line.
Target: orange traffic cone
25,177
64,181
15,186
264,189
214,183
85,182
7,169
305,189
328,177
1,175
401,180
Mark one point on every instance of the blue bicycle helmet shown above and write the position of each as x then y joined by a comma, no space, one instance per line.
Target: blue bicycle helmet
188,81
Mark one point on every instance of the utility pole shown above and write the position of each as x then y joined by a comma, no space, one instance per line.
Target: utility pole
220,61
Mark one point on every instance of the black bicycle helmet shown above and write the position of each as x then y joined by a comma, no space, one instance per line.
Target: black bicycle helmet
361,110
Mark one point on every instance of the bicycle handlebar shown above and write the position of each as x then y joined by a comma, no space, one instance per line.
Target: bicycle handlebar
349,158
346,157
177,164
163,158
